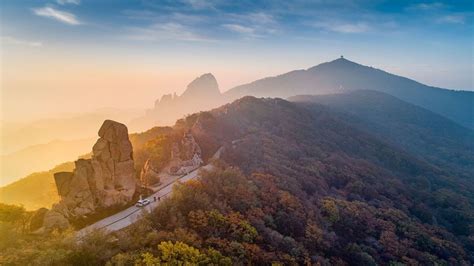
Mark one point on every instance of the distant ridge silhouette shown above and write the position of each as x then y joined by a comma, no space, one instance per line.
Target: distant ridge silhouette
337,76
201,94
343,75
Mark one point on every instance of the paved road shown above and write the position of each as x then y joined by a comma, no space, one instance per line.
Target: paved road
132,214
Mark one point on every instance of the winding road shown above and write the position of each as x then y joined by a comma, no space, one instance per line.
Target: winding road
132,214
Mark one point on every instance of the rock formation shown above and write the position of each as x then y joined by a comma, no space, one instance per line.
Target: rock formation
200,95
148,174
36,221
202,87
105,180
187,158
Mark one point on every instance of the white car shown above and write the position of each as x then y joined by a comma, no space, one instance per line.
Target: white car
142,203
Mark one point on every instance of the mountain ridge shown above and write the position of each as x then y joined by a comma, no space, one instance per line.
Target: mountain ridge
342,75
422,132
40,157
204,85
201,94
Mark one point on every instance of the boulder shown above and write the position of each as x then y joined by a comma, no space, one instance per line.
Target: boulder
36,221
55,220
63,182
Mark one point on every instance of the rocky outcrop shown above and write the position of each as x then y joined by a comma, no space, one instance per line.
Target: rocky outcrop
113,169
148,174
166,100
36,221
105,180
202,87
201,94
55,219
187,158
184,156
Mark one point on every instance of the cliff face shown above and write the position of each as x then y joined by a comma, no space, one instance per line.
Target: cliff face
105,180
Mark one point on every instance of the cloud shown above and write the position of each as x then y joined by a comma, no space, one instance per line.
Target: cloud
239,28
201,4
154,16
188,19
428,6
439,13
259,18
13,40
58,15
166,31
253,25
340,27
452,19
65,2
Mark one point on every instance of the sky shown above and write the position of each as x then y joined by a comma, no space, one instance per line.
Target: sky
66,56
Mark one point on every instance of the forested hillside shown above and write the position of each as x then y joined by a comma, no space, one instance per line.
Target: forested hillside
424,133
34,191
295,185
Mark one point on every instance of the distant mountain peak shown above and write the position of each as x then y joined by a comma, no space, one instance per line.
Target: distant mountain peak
206,76
206,84
201,94
340,62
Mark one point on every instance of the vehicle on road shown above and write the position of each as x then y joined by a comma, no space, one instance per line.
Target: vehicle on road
142,202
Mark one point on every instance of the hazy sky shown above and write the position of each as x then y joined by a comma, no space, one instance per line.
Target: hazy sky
62,56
